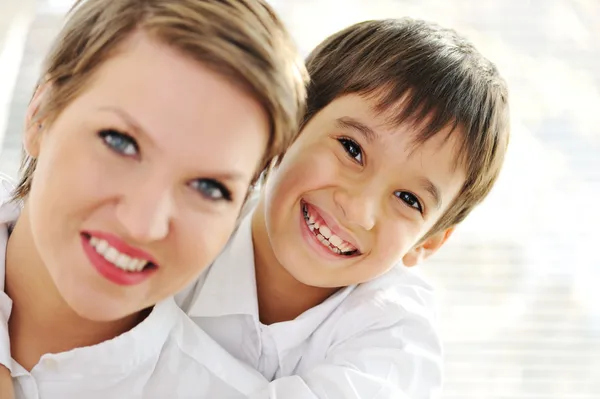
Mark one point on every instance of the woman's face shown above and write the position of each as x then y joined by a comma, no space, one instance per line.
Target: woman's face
140,179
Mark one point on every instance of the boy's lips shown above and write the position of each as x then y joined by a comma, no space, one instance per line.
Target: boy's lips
333,225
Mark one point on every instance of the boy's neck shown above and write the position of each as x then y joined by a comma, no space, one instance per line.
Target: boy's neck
280,296
41,321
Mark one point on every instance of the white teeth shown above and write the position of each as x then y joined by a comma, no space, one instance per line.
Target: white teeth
101,247
120,260
325,236
124,262
138,264
325,232
111,255
335,240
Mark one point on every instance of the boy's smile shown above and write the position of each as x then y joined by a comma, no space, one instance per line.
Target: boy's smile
326,234
354,195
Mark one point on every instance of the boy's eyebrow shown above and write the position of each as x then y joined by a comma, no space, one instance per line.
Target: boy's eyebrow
347,122
433,190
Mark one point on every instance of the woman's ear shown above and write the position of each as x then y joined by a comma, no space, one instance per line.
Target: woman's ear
33,124
427,248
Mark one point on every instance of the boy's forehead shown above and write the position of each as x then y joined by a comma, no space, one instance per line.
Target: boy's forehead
364,114
358,112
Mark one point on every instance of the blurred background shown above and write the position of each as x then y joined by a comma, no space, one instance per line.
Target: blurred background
519,283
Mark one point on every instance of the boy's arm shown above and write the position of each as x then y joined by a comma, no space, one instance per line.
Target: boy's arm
397,358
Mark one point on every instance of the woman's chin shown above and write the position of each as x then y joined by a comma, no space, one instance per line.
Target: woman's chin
100,308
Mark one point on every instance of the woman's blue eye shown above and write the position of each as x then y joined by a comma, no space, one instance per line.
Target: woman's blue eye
410,200
212,189
352,149
120,142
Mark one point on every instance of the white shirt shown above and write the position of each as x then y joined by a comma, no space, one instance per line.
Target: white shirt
165,356
372,341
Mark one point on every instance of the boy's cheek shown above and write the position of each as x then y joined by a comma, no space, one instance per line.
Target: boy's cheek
307,172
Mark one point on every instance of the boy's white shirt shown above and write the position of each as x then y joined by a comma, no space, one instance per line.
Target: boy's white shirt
165,356
377,340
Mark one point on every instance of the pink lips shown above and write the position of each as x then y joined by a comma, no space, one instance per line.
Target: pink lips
107,269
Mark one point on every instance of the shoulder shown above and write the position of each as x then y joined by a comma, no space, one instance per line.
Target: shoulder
401,290
399,299
7,187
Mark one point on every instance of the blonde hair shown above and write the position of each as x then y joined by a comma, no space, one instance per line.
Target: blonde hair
241,39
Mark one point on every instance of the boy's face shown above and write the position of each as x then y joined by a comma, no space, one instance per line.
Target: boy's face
353,197
153,160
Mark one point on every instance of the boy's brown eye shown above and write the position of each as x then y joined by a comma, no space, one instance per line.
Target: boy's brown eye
352,149
409,199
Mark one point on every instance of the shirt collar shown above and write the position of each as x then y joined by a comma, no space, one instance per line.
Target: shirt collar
289,334
119,355
229,286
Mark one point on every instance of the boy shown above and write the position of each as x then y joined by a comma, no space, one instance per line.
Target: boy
151,121
405,133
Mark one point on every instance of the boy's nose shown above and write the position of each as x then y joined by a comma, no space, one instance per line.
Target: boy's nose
145,213
359,207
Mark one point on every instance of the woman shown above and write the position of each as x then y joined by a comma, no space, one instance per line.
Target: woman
150,124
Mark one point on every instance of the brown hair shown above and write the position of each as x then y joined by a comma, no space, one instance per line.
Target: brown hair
241,39
426,75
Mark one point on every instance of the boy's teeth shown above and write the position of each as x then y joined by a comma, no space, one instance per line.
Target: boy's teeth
325,236
325,232
335,240
120,260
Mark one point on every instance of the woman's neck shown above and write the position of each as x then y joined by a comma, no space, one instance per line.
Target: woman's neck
280,296
41,321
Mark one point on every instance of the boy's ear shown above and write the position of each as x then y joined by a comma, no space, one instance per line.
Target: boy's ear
33,125
427,248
